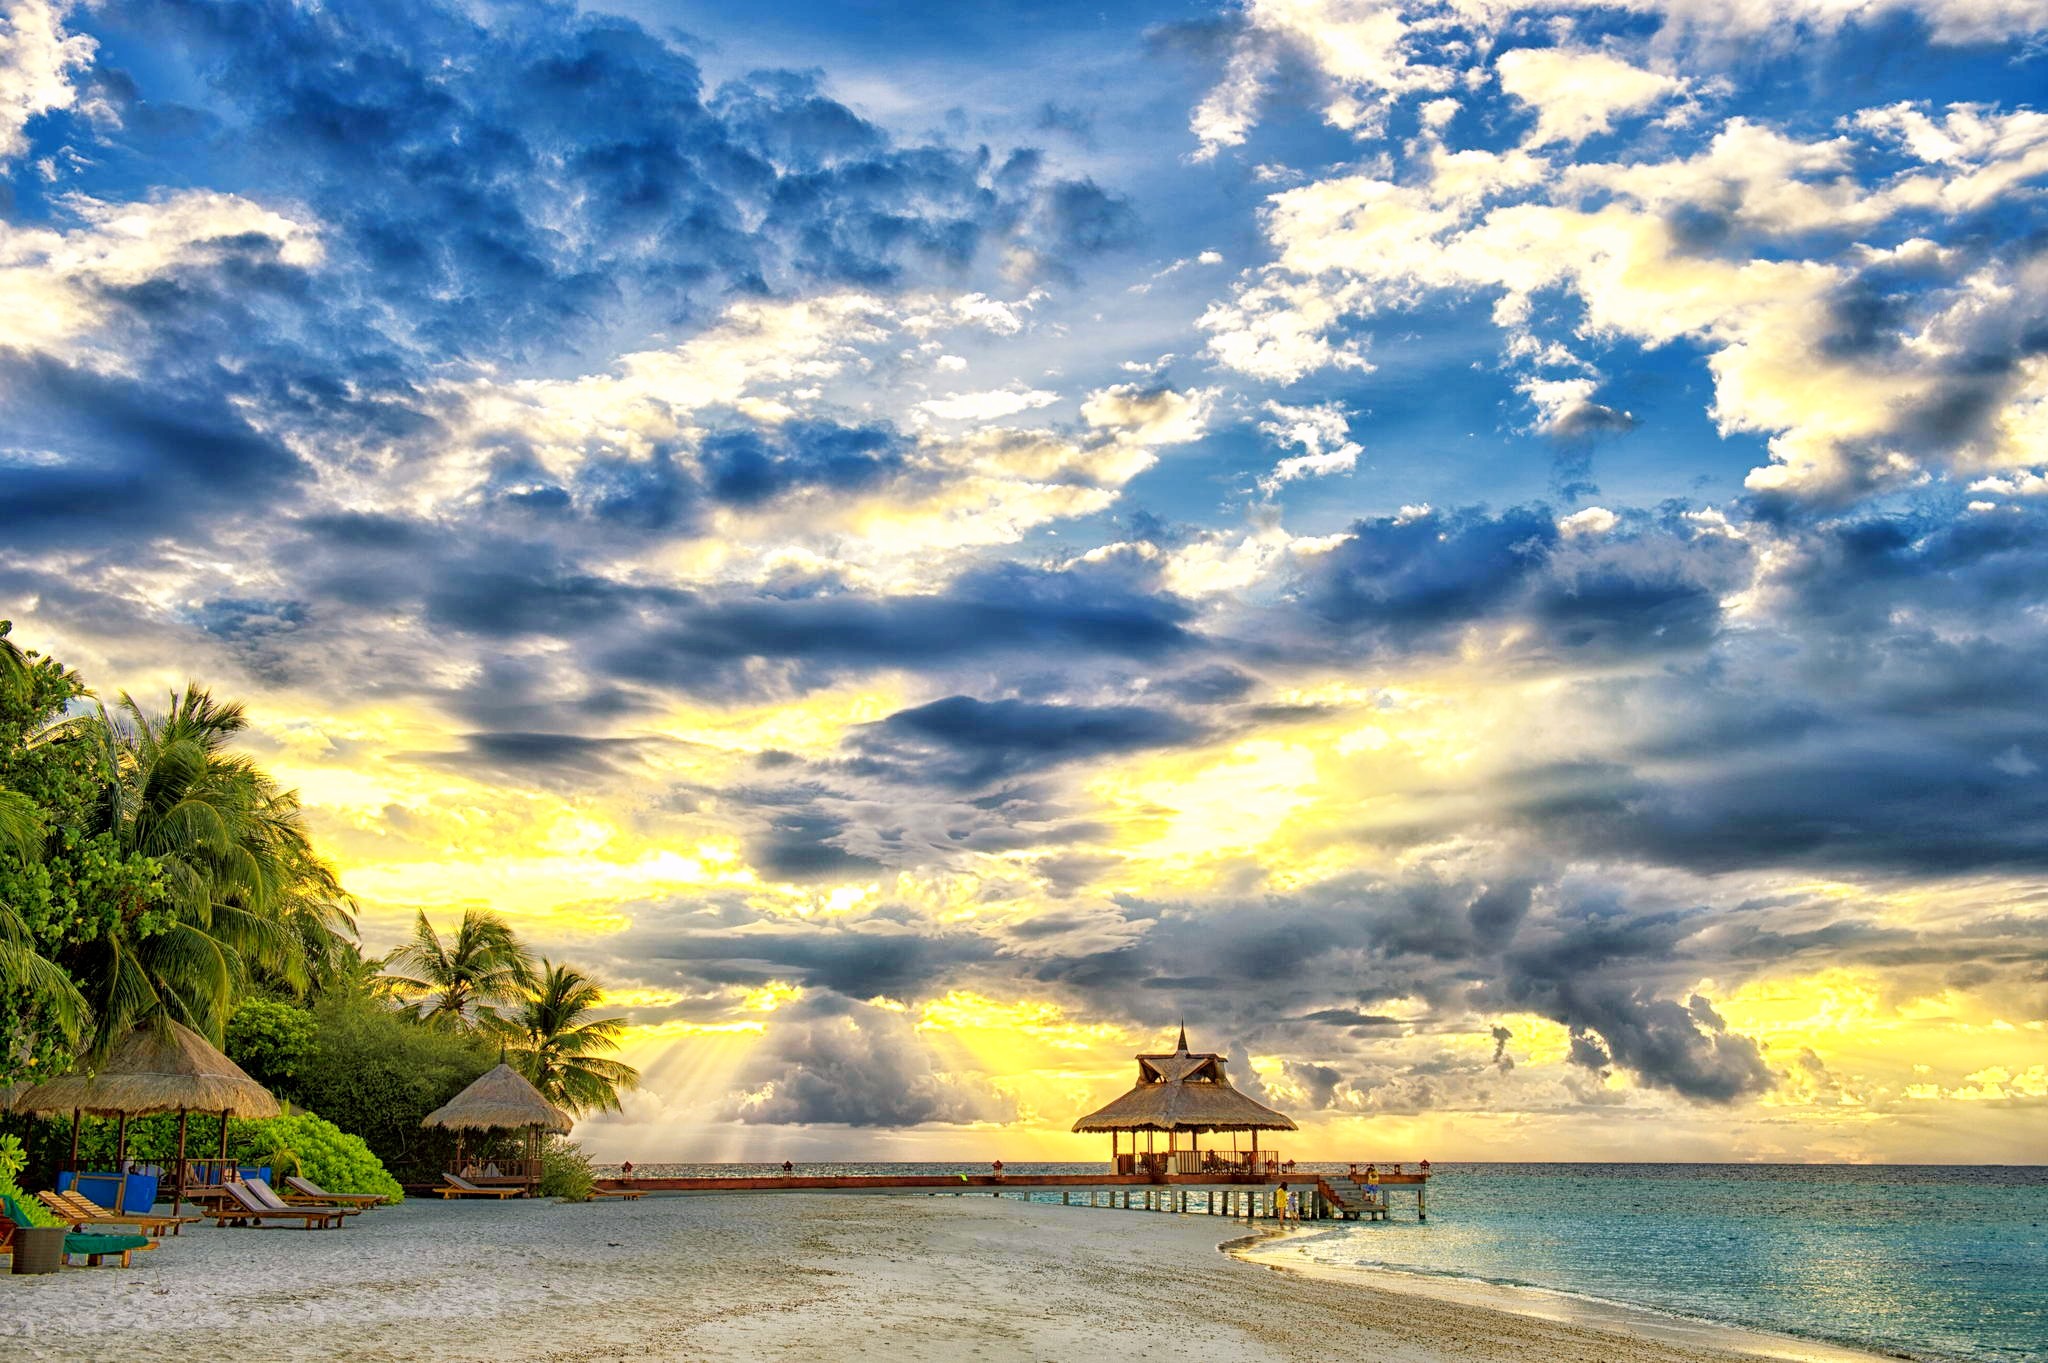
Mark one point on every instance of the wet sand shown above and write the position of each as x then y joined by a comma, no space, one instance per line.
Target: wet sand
777,1276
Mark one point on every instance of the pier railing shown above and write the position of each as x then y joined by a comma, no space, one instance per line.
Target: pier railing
500,1173
1219,1163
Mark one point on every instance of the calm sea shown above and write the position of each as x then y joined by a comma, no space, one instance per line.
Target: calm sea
1927,1262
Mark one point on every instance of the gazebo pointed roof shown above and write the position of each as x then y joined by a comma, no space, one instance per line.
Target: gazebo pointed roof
1184,1091
167,1068
501,1099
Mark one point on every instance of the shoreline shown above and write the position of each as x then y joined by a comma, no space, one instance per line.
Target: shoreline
790,1276
1268,1249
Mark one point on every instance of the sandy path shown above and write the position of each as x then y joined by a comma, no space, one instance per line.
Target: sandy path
758,1277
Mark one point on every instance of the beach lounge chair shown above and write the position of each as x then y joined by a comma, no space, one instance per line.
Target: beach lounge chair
81,1211
267,1195
243,1209
455,1185
627,1193
93,1247
305,1190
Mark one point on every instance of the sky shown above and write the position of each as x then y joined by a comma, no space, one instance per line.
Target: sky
1489,556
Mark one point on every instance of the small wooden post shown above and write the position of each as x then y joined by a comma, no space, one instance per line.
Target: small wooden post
178,1192
121,1166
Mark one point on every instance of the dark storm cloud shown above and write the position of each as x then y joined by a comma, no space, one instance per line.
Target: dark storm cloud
137,460
549,758
967,743
752,466
873,958
1579,977
708,644
798,845
1350,1017
1603,971
838,1062
1216,684
1413,581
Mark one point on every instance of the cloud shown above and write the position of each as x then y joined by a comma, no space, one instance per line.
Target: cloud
969,743
988,406
849,1064
1737,250
37,59
1322,433
136,459
1565,410
710,643
1361,58
1577,92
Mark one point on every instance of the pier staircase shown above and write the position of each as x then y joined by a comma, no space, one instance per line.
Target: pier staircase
1355,1201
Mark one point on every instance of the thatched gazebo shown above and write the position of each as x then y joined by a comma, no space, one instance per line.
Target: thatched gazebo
1183,1094
158,1067
503,1100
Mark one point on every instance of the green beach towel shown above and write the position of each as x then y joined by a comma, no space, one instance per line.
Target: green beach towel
77,1242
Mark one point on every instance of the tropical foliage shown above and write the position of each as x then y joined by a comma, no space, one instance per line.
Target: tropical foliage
149,871
295,1143
556,1043
12,1160
565,1170
456,983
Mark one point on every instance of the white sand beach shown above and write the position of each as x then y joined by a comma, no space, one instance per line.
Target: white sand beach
788,1276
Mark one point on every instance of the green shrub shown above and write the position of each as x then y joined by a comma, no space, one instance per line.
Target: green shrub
271,1041
375,1073
313,1148
12,1158
565,1170
296,1143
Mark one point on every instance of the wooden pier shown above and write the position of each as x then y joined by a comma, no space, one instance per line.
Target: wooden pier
1182,1095
1239,1196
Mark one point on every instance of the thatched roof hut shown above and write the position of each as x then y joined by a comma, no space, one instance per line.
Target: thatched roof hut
1182,1094
163,1066
502,1100
155,1069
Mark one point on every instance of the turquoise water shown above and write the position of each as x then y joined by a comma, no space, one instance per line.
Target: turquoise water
1926,1262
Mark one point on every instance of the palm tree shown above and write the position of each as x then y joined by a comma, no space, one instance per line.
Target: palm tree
234,877
556,1046
35,984
455,984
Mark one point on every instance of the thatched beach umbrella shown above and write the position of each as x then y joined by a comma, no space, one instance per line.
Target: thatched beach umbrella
501,1100
167,1068
1183,1093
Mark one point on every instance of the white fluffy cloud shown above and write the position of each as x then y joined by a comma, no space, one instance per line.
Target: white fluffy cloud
1577,93
1762,303
1323,435
990,405
54,281
1370,54
37,59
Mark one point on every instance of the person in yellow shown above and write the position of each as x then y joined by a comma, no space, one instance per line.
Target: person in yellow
1282,1203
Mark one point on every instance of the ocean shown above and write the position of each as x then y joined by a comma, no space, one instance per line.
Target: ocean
1928,1262
1941,1263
